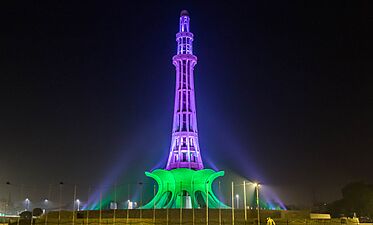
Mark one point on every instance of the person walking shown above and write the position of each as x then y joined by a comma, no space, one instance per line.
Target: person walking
270,221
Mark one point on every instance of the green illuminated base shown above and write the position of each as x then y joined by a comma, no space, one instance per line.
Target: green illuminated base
184,188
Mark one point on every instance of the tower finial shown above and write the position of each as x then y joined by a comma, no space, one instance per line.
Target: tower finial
184,13
184,21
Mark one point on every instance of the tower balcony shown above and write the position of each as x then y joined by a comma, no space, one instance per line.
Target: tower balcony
185,56
190,165
185,111
185,134
184,149
184,34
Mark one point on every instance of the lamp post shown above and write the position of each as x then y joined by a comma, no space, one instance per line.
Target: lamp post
78,204
45,211
27,203
141,189
232,203
244,200
59,202
257,185
7,204
46,204
237,201
128,208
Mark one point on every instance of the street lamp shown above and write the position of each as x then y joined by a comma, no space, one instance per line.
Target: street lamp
78,204
60,199
8,200
141,190
27,201
244,200
257,185
237,201
46,204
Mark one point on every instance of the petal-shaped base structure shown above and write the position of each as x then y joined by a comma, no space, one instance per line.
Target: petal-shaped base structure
185,188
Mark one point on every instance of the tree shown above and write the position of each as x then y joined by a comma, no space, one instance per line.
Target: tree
357,198
25,215
37,212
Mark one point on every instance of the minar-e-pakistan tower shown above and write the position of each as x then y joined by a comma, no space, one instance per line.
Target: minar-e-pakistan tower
184,182
184,152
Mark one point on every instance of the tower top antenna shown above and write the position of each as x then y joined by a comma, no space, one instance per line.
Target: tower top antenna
184,13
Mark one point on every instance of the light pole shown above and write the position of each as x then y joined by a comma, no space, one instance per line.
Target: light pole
45,211
128,208
237,201
140,183
27,203
78,204
7,204
257,185
244,200
232,198
46,204
59,202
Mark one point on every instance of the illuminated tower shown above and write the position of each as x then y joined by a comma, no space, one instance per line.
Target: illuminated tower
184,183
184,151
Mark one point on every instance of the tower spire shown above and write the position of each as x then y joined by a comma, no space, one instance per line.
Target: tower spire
184,150
184,21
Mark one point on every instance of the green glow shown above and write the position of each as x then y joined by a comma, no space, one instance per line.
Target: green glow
173,184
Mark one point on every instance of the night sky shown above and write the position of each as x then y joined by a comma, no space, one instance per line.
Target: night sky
283,91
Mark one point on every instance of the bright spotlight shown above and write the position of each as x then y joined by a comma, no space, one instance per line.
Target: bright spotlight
78,203
256,184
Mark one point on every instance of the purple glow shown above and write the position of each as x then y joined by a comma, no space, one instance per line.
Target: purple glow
211,164
184,150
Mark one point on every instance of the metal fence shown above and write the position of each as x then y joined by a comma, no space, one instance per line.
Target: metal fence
65,203
15,198
174,219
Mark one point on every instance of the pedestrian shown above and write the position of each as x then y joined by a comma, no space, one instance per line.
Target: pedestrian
270,221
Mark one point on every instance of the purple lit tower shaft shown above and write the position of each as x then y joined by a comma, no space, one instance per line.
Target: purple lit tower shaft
184,151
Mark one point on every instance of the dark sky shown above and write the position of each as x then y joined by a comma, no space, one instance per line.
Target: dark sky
283,88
